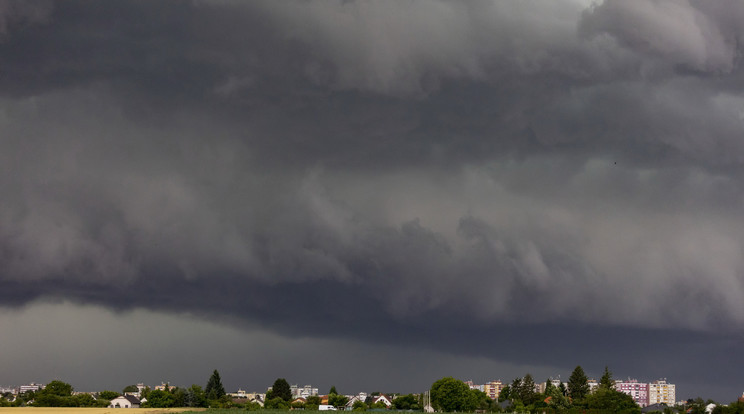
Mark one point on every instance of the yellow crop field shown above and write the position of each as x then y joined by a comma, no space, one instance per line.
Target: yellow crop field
72,410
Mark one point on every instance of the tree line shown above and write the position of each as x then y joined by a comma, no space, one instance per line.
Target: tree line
60,394
452,395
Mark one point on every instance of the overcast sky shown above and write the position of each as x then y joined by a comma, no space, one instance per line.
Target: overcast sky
371,194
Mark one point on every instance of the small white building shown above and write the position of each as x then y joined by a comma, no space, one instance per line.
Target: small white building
125,401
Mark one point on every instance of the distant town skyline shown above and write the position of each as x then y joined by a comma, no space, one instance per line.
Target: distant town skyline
372,193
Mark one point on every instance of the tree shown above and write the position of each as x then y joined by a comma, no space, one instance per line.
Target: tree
578,385
527,390
406,402
480,400
214,389
449,394
337,400
160,399
359,406
607,399
55,394
84,400
516,389
549,387
276,403
130,388
312,402
333,390
606,381
505,393
195,397
59,388
557,396
108,395
281,389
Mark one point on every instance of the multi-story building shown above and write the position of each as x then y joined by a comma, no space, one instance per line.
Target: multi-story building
8,390
474,386
302,392
660,391
493,389
544,385
593,384
637,390
30,387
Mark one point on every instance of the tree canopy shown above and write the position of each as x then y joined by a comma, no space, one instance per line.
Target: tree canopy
606,382
214,389
281,389
578,385
450,394
130,388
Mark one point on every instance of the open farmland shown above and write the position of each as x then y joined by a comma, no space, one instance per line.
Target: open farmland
71,410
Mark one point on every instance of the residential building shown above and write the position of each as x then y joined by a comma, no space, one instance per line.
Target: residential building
541,387
8,390
125,401
637,390
30,387
660,391
474,386
593,384
302,392
493,389
163,386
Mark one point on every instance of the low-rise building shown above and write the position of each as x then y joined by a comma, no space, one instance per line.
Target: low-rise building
125,401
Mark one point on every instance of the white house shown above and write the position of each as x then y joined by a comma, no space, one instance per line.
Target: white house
125,401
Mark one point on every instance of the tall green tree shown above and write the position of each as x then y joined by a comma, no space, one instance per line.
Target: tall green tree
505,393
606,382
281,389
332,390
130,388
449,394
214,389
527,390
549,387
578,385
516,389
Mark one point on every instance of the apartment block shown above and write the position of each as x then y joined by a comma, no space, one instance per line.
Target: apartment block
637,390
660,391
493,389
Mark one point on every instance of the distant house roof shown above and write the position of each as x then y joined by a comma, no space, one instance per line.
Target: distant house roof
132,399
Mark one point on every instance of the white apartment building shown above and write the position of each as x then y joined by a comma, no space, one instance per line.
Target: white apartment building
660,391
30,387
303,392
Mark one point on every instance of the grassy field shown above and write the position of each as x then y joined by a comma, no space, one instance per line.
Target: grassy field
72,410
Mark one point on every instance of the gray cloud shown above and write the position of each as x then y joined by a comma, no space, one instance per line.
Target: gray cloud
448,171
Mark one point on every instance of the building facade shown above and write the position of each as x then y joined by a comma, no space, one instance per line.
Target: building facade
637,390
660,391
493,389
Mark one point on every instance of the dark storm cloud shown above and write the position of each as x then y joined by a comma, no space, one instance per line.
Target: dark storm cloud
446,170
